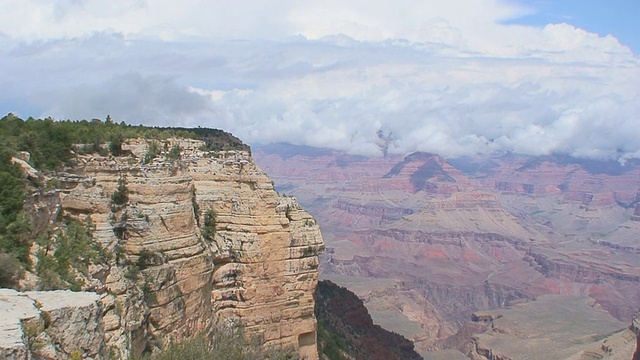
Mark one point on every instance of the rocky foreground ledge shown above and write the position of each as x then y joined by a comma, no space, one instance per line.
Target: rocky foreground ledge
56,324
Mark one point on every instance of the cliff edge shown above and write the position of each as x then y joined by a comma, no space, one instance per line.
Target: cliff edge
183,240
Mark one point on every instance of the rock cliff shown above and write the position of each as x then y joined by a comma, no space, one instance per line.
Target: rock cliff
193,242
348,332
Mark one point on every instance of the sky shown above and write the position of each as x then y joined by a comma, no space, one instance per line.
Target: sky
461,77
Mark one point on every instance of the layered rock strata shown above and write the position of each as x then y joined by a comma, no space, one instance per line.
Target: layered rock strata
348,332
552,327
256,265
427,241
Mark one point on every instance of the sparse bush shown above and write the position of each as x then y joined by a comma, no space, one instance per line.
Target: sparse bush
121,195
144,259
287,213
132,272
149,295
115,144
76,247
74,251
227,344
174,153
10,271
152,152
32,330
209,229
16,239
119,254
48,277
310,251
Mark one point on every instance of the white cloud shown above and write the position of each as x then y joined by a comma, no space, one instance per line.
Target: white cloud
441,77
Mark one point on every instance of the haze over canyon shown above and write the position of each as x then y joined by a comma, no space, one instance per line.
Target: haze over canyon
431,243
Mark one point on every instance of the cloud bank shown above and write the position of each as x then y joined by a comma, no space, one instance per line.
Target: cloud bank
447,78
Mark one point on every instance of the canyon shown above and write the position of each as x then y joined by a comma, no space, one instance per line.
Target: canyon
164,239
431,244
190,244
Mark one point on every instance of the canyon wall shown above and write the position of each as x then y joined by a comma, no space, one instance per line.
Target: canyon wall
201,241
427,241
348,332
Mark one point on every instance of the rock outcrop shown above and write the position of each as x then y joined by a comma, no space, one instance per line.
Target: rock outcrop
196,241
552,327
348,332
51,325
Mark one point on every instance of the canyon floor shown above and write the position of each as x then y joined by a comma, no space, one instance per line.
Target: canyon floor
435,246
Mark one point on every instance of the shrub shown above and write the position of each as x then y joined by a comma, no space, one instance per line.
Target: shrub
144,259
119,254
152,152
121,195
32,329
149,295
16,239
310,251
10,271
174,153
11,192
115,144
227,344
132,272
74,251
209,229
47,270
50,142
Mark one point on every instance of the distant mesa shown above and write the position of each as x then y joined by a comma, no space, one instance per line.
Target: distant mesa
428,241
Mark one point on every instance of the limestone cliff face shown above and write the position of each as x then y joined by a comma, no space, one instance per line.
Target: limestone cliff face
265,249
256,266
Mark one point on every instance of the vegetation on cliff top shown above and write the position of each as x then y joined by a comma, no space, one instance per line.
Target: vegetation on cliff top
52,145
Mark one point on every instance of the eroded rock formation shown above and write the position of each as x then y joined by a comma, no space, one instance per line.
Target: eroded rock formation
199,240
552,327
51,325
427,241
349,332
